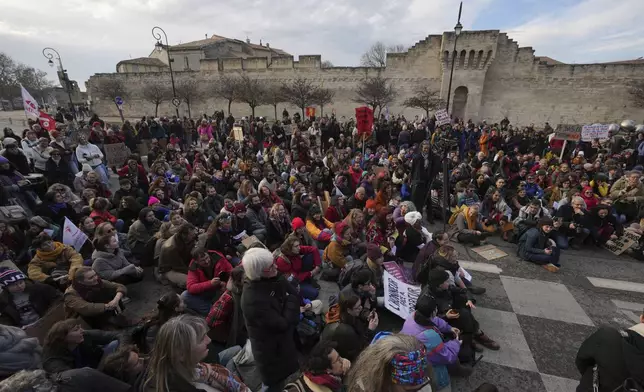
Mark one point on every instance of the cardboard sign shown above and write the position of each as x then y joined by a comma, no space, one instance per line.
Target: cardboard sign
73,236
570,132
116,154
310,112
489,252
595,131
238,134
364,120
621,244
442,117
400,297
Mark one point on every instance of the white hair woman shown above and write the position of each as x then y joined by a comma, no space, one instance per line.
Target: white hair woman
175,364
271,308
394,363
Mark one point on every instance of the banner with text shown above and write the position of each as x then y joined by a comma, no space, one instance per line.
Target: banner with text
595,131
29,103
400,297
116,154
442,117
621,244
73,236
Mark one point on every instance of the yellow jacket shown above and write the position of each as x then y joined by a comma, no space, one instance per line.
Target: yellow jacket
335,253
313,230
62,257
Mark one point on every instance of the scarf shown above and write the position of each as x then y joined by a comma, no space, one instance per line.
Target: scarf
220,378
409,369
327,380
56,207
51,255
471,220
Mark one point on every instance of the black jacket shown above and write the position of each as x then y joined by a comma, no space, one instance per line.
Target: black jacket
353,202
610,220
58,217
533,241
298,211
351,335
42,297
59,172
271,309
273,237
420,174
618,355
59,359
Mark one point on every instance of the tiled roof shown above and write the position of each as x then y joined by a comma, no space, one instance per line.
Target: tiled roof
145,61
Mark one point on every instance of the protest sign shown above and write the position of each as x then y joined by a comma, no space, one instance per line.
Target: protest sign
621,244
400,297
595,131
364,120
310,112
116,154
442,117
73,236
238,134
569,132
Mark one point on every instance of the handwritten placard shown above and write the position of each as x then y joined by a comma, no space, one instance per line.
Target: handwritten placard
116,154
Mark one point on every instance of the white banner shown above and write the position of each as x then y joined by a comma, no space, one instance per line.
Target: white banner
400,297
595,131
73,236
29,103
442,117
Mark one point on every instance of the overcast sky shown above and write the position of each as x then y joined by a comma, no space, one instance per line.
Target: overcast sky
93,35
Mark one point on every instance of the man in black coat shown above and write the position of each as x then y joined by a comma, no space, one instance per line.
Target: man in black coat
424,168
271,308
619,355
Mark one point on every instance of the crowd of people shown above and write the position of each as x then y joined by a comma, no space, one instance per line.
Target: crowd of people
242,227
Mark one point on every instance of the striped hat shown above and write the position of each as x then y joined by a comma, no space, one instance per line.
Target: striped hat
9,276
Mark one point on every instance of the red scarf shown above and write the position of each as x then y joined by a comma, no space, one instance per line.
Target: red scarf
326,380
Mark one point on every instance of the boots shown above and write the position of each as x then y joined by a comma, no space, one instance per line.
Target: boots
459,370
486,342
476,290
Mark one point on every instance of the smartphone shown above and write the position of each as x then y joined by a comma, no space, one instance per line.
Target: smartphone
223,276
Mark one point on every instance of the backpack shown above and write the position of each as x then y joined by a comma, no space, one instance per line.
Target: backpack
347,271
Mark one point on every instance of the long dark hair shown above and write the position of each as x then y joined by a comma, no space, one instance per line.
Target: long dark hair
166,308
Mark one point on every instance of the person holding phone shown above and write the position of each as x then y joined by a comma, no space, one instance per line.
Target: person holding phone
208,273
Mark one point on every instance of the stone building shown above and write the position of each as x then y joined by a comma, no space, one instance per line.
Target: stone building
493,78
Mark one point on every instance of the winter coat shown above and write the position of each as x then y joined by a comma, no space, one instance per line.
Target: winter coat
139,233
532,242
58,216
199,281
41,296
618,355
258,221
17,351
336,252
111,266
76,306
64,257
292,265
89,352
275,238
271,309
102,216
174,257
350,334
299,211
620,191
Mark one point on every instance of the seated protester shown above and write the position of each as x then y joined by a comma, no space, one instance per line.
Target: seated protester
165,200
336,211
170,305
257,218
609,358
126,189
100,213
528,217
536,246
299,230
590,198
627,194
558,192
98,302
125,364
400,212
141,232
174,257
128,211
240,222
496,213
38,225
109,262
57,169
161,212
175,363
301,205
225,318
322,371
213,202
68,346
220,237
268,197
13,239
23,302
15,186
193,213
301,262
92,181
369,209
439,239
337,254
319,228
600,185
54,262
380,229
278,227
355,329
356,221
532,189
455,307
55,209
372,264
519,201
135,173
603,225
571,221
208,273
17,352
358,199
440,339
86,197
413,239
15,155
468,197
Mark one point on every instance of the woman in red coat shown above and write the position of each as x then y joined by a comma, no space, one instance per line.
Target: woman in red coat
208,273
300,262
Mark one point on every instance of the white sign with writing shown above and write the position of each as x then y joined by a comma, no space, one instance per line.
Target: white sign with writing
400,297
621,244
442,117
595,131
73,236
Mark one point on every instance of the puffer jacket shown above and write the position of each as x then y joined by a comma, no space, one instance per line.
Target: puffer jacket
18,351
63,257
110,266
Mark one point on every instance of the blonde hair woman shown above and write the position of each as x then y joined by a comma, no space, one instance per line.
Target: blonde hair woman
175,364
394,363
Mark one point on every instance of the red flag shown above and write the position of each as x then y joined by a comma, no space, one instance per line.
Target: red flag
47,121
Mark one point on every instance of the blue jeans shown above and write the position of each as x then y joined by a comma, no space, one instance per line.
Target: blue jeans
119,226
110,348
198,303
543,259
560,239
306,289
225,356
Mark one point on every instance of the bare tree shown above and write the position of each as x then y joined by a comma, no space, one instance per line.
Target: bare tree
156,93
376,92
13,74
326,64
274,96
300,92
188,90
424,98
252,92
636,90
376,55
323,96
227,87
110,89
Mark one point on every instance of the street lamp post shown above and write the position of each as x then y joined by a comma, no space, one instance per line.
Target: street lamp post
156,33
49,55
457,31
